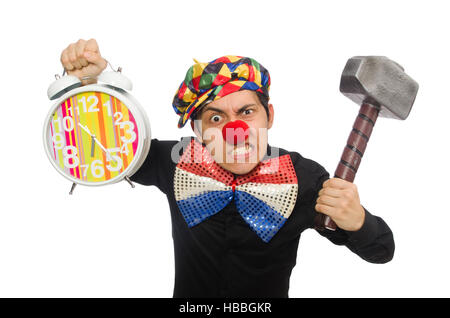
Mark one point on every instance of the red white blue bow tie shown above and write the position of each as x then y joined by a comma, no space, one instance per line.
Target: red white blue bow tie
265,197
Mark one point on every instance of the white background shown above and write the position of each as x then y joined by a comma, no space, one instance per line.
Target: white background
116,241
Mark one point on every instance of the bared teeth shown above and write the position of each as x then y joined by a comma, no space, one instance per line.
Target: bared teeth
241,150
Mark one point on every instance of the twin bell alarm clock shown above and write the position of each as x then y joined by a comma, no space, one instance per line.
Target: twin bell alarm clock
96,134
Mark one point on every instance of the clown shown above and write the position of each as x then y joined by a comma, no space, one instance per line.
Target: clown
238,205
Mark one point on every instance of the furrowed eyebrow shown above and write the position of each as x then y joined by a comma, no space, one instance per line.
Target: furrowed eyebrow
244,107
222,112
213,109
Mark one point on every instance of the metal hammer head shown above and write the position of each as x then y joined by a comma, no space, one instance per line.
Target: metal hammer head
381,82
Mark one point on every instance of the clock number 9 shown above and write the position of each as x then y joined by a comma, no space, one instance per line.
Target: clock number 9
58,141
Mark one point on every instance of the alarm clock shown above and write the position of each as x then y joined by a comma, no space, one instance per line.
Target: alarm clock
96,134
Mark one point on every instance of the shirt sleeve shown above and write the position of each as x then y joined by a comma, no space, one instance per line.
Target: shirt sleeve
158,165
373,242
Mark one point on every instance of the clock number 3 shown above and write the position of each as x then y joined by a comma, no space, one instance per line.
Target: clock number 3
122,124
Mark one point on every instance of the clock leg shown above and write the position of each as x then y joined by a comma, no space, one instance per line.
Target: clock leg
129,181
72,188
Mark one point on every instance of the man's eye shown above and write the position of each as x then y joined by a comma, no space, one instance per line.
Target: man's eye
215,118
248,111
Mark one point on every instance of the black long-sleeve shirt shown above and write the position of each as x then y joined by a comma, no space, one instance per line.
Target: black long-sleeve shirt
223,257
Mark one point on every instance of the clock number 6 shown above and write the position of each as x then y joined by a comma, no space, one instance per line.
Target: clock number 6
97,169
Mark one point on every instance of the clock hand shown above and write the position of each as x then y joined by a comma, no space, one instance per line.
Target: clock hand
86,129
101,146
92,146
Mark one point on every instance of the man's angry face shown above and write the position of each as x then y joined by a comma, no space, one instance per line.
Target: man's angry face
243,108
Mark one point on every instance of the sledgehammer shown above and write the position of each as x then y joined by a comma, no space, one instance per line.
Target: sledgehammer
382,88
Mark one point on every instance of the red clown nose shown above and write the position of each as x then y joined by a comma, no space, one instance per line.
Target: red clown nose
235,132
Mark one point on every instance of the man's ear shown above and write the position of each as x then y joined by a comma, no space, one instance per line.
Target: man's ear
271,115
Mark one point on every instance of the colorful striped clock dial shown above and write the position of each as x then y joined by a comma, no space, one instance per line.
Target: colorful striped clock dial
93,136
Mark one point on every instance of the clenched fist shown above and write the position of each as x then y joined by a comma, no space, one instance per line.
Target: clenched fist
83,59
339,200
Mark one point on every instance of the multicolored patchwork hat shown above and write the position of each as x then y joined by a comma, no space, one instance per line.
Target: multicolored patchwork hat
218,78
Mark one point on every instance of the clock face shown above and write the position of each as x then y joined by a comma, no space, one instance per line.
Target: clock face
92,136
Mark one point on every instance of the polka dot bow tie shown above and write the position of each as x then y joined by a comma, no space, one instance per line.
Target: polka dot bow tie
265,197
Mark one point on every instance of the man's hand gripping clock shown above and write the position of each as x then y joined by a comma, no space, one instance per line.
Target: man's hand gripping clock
83,60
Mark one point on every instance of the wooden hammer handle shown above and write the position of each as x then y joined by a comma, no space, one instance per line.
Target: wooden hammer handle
352,154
